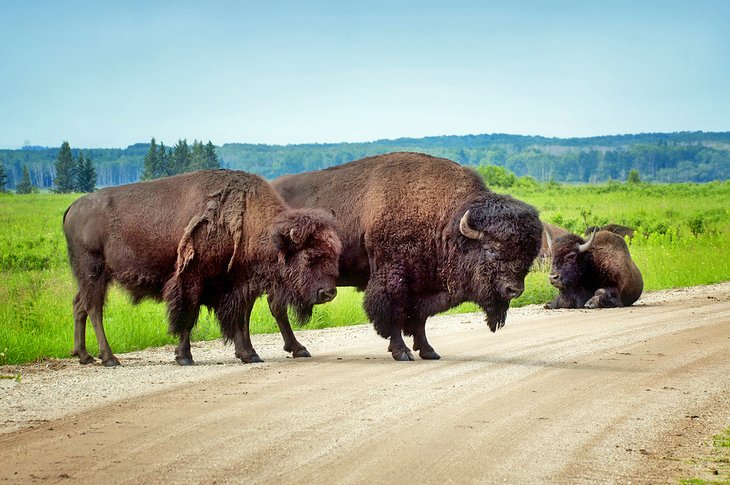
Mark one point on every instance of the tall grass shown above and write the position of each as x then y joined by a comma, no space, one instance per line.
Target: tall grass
683,239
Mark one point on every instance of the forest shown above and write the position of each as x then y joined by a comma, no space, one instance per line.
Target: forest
658,157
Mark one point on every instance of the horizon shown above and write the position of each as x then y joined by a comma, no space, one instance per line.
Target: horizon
326,73
169,145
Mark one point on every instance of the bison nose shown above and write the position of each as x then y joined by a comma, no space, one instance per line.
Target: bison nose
513,291
326,294
554,277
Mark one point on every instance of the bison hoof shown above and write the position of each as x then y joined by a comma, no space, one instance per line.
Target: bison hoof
86,360
113,362
429,355
301,353
185,361
592,303
403,355
251,359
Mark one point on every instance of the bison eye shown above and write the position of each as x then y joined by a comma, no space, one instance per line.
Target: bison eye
489,252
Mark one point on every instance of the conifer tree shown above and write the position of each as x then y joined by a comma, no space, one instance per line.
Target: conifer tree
211,158
3,178
65,180
151,165
78,165
24,186
85,174
180,161
163,161
197,156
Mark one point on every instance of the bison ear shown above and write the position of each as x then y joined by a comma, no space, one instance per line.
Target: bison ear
288,240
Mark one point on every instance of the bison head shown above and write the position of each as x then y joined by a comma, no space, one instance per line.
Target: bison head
499,237
570,255
308,254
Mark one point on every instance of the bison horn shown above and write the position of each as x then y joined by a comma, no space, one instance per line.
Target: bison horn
582,248
549,240
467,230
293,236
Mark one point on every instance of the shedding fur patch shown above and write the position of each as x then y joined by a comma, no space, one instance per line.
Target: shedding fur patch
222,212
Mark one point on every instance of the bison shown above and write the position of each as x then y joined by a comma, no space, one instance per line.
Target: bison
623,231
420,235
553,232
598,273
217,238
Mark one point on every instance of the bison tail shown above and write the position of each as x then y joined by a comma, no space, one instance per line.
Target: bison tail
183,306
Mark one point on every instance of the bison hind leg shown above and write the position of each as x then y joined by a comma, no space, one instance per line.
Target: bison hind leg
80,316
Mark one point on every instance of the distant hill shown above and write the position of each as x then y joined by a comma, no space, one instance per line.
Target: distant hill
661,157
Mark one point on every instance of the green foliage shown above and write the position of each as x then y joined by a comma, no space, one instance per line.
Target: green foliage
633,177
182,158
717,463
25,186
65,180
85,174
659,157
495,176
697,224
3,179
152,168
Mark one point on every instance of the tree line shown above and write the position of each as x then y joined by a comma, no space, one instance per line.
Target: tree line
658,157
161,162
77,173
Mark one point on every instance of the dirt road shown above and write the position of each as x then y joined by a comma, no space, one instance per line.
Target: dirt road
621,395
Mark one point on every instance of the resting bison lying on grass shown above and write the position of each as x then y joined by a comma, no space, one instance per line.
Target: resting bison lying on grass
597,273
420,235
217,238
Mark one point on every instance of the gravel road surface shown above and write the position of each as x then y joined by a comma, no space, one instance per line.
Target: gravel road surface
562,396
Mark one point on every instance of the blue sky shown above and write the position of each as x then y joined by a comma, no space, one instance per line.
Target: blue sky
113,73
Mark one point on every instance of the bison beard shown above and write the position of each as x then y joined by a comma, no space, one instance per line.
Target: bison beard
302,313
496,313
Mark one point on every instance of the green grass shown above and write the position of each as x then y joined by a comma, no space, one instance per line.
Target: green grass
717,464
684,235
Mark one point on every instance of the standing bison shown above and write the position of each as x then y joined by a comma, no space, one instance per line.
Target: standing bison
420,235
217,238
598,273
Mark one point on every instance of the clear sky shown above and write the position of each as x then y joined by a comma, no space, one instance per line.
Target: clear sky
108,73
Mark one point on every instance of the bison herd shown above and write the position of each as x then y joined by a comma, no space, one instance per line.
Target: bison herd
417,234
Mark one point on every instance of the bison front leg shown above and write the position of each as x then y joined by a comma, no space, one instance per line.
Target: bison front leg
183,355
385,304
420,343
605,298
291,344
416,326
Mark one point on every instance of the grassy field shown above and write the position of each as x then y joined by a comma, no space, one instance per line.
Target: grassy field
684,236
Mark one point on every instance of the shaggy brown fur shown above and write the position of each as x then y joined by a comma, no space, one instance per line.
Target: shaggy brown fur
602,276
217,238
399,221
622,231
